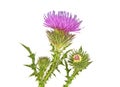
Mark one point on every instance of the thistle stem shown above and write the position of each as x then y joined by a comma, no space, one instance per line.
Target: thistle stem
70,78
54,65
41,84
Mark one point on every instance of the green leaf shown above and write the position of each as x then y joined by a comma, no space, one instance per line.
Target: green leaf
32,56
32,65
33,74
67,69
27,48
28,65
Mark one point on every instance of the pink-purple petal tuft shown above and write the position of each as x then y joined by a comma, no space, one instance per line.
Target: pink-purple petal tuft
63,21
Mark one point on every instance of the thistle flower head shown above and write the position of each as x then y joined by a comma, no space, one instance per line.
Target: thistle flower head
62,21
79,59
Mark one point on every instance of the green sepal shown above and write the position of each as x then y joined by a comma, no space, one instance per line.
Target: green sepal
59,39
53,48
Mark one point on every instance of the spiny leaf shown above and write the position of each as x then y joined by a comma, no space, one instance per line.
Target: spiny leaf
32,55
27,48
66,64
65,54
61,63
54,74
58,70
33,74
28,65
31,66
67,69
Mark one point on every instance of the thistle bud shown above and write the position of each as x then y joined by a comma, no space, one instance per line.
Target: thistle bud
79,59
43,62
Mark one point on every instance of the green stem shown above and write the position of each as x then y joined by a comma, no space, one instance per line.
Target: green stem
54,65
70,78
41,84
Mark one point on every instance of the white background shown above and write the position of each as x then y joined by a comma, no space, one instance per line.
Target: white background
21,21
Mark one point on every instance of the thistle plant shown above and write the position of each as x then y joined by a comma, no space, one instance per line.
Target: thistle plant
60,38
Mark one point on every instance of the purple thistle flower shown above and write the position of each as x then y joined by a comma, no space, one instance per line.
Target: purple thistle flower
62,21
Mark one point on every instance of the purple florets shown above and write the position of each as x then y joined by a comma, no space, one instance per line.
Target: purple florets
62,21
